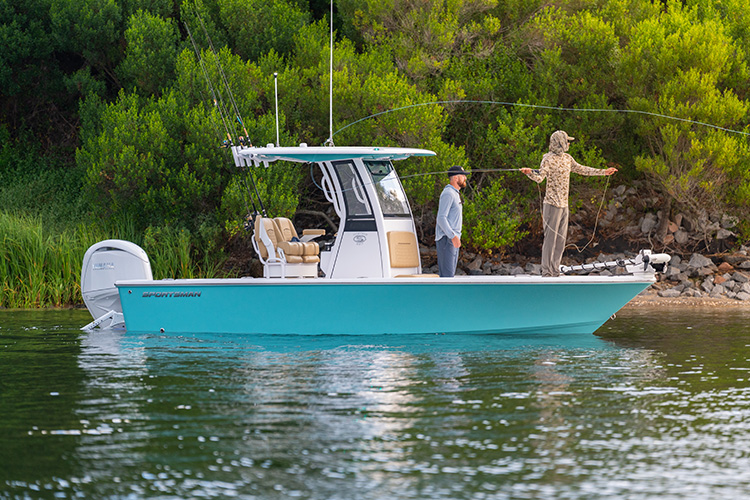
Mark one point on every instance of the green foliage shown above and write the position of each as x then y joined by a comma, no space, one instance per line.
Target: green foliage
24,40
51,192
151,53
424,35
181,254
89,27
153,162
689,61
492,219
256,27
119,80
39,269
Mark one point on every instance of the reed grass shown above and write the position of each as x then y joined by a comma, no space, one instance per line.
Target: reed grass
43,269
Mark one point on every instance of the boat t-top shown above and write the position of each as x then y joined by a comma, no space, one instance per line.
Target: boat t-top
366,278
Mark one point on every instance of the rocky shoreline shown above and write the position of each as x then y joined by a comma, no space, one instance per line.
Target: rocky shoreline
720,280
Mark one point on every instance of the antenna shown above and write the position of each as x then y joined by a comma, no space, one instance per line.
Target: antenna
330,86
276,97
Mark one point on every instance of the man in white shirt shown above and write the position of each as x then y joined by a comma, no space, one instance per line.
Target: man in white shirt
449,222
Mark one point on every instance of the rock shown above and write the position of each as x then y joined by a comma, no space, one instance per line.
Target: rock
516,270
688,223
475,272
735,259
731,295
475,264
619,190
681,237
717,291
723,234
718,280
740,277
533,268
744,296
672,227
729,221
725,267
745,287
669,293
698,261
703,271
668,239
675,260
678,219
673,273
745,265
649,223
679,288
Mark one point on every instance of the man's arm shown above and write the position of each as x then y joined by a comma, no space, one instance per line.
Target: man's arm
444,206
583,170
539,174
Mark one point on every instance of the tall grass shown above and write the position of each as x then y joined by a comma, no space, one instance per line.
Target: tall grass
38,269
43,269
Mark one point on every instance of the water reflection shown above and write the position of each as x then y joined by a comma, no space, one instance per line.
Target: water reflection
655,405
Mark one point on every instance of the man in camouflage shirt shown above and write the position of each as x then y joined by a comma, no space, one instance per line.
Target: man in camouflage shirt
556,167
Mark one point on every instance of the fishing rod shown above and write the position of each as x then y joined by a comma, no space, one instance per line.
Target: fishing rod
218,101
210,85
550,108
225,81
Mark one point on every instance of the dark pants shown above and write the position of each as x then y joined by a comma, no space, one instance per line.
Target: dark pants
447,256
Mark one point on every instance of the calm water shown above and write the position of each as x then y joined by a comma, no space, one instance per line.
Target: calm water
656,405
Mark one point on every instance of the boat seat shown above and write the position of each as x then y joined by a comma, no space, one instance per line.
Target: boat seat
282,258
309,251
403,249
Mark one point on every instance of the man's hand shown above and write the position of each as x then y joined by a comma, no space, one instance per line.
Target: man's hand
526,171
456,242
610,171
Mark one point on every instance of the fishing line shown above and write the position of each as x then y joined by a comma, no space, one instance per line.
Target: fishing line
208,82
219,103
421,174
223,76
550,108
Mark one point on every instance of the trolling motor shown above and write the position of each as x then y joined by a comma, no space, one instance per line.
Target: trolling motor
644,262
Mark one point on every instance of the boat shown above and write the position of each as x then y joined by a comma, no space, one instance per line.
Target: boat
364,279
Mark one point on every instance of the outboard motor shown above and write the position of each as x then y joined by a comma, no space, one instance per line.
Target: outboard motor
105,263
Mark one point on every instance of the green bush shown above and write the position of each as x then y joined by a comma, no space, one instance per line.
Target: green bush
492,219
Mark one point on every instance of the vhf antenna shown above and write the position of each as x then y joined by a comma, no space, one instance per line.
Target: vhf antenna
330,86
276,98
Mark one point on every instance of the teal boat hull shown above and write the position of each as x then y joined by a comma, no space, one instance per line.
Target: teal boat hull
377,306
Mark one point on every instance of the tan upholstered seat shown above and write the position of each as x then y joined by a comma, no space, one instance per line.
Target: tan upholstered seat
283,258
309,251
403,249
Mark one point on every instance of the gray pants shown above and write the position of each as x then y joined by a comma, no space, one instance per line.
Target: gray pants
447,256
555,232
